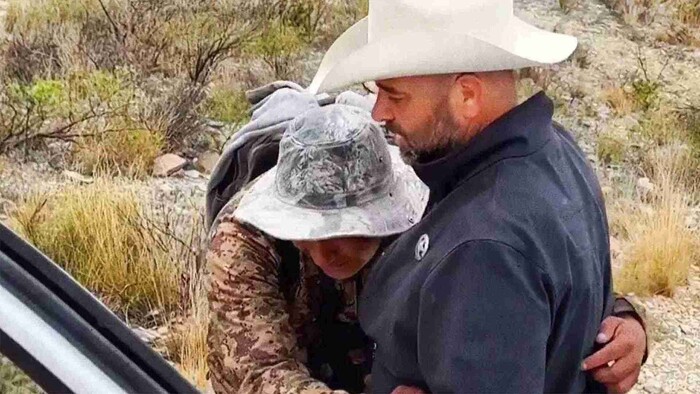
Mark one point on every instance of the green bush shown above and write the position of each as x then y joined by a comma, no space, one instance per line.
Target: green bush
278,46
646,93
611,147
43,96
227,105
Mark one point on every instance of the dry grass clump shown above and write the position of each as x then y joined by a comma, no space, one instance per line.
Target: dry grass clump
142,260
660,247
670,144
97,234
620,100
125,151
14,381
187,344
663,126
688,12
633,11
680,18
611,146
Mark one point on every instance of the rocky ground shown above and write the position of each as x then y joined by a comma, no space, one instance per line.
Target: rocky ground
607,55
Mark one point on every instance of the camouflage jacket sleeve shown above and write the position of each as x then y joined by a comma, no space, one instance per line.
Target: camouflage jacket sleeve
252,345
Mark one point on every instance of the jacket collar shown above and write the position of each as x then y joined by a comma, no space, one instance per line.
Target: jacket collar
520,132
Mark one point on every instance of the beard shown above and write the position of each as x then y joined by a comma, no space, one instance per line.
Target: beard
438,139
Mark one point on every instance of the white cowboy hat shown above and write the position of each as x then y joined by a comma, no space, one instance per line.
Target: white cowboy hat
403,38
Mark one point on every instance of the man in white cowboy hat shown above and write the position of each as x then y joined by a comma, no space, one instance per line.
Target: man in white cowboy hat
503,285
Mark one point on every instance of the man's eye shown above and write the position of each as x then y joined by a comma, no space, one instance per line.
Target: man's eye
395,98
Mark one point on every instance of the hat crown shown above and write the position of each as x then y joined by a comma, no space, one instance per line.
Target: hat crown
333,157
388,17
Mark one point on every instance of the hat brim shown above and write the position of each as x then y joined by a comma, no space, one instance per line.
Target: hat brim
352,59
392,214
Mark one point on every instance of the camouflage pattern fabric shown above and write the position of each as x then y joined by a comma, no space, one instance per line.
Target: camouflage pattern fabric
336,176
259,340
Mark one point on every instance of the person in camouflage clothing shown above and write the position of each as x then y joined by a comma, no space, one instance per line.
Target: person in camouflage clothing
279,324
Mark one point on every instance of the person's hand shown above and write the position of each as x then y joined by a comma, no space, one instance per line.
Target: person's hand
407,390
618,363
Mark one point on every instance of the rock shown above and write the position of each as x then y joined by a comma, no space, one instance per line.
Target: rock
653,386
74,176
207,161
168,164
215,124
145,334
615,247
192,174
644,187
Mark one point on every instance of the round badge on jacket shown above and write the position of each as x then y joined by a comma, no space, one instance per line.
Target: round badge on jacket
422,246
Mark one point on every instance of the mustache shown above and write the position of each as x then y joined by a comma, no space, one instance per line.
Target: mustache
391,131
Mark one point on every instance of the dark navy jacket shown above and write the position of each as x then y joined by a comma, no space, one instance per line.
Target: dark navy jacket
515,282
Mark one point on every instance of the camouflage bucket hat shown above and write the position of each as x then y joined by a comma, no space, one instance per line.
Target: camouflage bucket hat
336,176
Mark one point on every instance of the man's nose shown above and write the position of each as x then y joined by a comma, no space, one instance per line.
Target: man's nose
381,111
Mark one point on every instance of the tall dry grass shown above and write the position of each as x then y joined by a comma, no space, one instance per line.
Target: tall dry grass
688,11
659,246
96,233
620,100
142,260
187,344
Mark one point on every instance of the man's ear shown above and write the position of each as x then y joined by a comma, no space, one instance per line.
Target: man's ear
467,97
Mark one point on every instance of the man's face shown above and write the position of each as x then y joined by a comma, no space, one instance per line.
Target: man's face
417,111
340,258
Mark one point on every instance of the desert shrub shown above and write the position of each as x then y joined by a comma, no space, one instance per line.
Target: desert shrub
154,36
634,11
343,15
663,126
688,12
620,100
645,93
307,16
691,122
670,145
611,147
46,110
567,5
121,150
227,105
24,109
645,87
45,35
279,47
96,233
